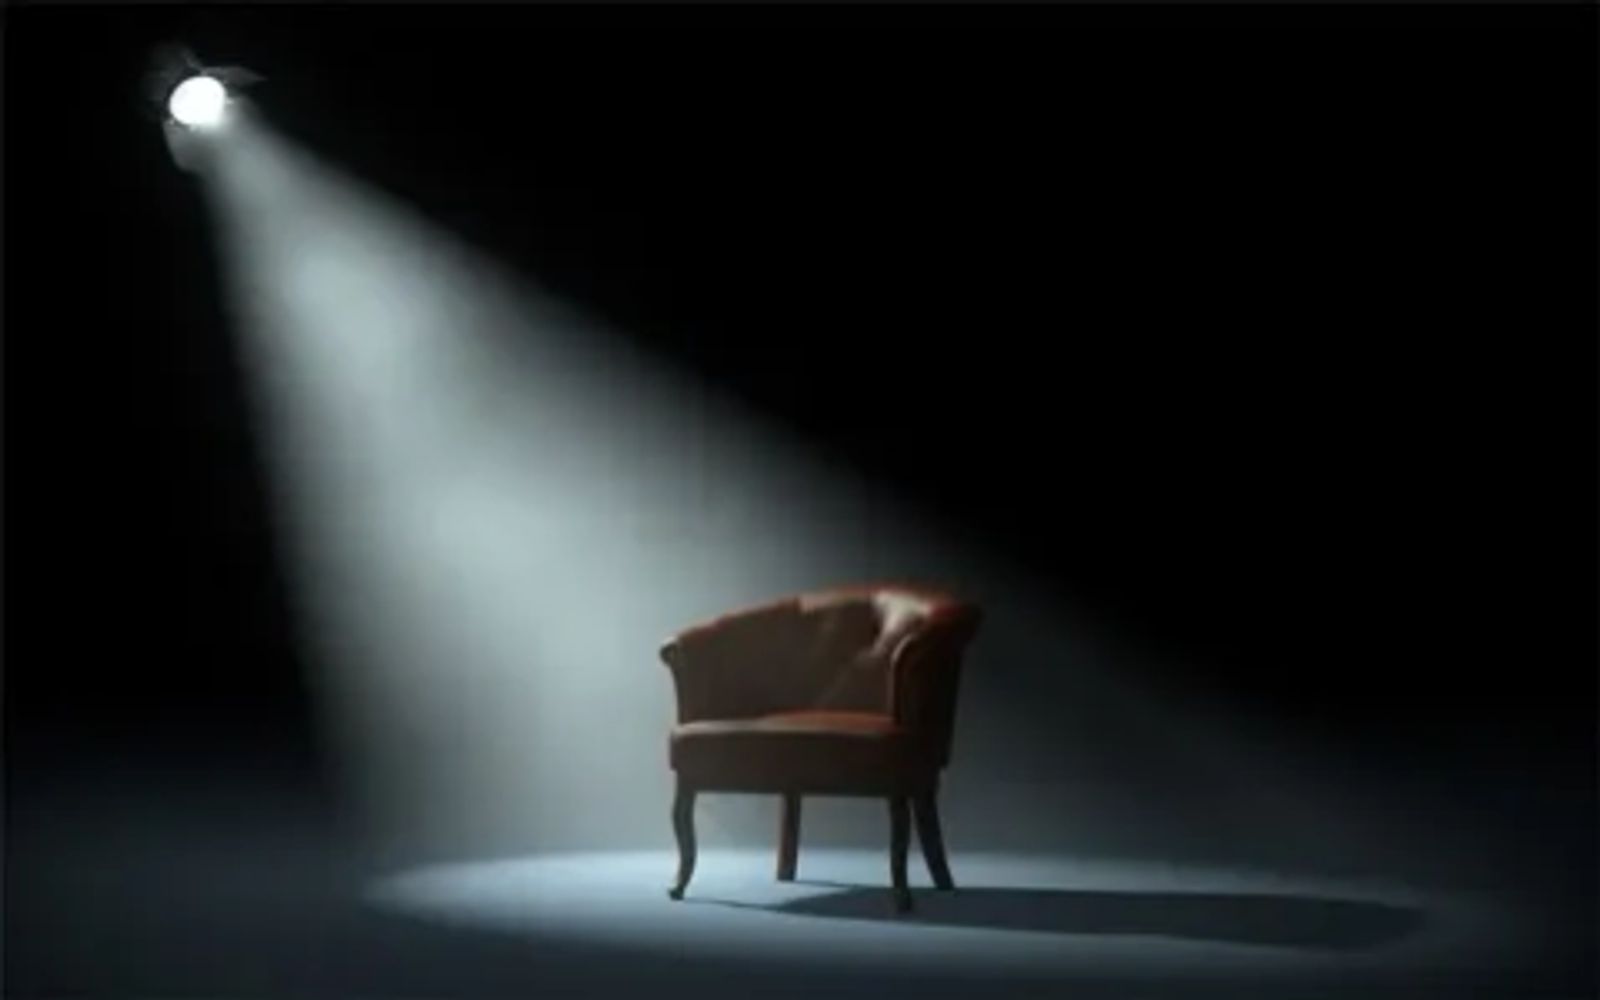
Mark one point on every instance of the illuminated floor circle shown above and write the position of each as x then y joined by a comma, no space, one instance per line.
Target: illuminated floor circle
1013,913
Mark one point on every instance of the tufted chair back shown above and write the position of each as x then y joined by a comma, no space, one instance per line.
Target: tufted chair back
890,649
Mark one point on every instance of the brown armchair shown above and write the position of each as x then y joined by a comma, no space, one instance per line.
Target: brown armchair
842,692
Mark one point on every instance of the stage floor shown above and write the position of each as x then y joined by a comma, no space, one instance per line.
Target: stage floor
1039,918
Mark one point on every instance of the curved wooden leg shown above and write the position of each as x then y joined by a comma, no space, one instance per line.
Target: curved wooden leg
683,828
926,808
789,838
899,841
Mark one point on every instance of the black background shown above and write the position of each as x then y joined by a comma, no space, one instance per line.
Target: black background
1269,333
1271,336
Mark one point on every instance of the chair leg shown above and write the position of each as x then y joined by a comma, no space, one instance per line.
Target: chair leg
925,806
683,828
789,838
899,841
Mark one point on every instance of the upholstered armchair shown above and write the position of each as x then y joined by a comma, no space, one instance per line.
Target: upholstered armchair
841,692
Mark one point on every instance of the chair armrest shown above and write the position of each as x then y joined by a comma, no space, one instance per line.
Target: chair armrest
925,672
694,682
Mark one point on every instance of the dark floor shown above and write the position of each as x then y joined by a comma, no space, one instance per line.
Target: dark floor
134,889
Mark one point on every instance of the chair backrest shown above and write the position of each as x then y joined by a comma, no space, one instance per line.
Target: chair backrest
884,648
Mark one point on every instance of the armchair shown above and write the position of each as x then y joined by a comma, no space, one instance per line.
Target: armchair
841,692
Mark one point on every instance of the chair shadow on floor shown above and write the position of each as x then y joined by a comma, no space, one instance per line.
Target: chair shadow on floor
1236,918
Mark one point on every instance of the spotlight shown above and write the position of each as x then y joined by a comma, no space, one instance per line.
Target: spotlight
187,95
191,99
199,102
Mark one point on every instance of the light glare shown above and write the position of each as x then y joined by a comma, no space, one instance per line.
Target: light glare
198,102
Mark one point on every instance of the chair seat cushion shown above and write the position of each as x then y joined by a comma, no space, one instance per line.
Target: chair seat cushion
816,750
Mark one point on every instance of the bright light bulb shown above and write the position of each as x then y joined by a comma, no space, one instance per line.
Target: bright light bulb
198,102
